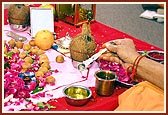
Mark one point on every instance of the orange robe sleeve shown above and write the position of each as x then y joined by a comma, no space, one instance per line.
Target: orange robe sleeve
142,97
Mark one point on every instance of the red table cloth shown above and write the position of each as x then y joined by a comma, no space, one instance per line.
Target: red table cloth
102,33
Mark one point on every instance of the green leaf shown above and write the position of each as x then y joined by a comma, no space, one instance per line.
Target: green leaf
6,65
144,53
38,89
9,54
51,70
40,104
28,52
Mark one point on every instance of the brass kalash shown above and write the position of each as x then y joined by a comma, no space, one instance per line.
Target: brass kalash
75,14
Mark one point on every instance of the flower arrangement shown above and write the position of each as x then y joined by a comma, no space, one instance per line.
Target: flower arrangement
21,75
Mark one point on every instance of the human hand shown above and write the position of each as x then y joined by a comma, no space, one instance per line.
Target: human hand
123,48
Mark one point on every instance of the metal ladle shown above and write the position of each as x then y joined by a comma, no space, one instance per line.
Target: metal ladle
87,62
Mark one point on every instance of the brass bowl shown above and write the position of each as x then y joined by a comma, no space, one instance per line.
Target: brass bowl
77,95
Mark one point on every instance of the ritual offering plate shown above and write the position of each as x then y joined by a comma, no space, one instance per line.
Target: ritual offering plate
77,95
19,27
155,55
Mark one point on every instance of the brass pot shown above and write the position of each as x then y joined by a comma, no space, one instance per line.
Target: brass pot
105,80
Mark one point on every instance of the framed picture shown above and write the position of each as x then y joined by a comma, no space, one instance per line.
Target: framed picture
40,19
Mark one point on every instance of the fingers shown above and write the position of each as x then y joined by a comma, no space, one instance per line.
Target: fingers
110,57
114,42
104,46
107,55
115,59
111,46
119,41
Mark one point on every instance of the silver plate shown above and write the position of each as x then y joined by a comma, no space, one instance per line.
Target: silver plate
19,27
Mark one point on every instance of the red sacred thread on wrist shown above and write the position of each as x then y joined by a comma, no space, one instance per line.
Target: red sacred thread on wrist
135,66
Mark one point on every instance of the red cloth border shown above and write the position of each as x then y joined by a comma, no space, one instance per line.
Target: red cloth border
102,33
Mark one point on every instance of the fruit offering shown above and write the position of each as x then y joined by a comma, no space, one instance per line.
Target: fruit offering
44,39
59,59
25,69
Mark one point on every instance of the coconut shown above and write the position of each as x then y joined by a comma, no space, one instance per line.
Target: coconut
19,14
83,45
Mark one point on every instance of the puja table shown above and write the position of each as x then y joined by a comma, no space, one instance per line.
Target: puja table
68,75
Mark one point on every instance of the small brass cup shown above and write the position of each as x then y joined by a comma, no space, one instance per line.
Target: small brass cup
77,95
105,80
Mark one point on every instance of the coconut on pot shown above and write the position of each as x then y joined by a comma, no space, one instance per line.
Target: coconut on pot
83,45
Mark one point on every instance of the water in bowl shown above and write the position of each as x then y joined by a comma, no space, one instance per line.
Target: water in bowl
105,75
77,93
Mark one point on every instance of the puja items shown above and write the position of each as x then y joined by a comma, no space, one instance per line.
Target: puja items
62,44
105,81
18,16
87,62
75,14
17,37
82,46
27,77
155,55
77,95
44,39
123,78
